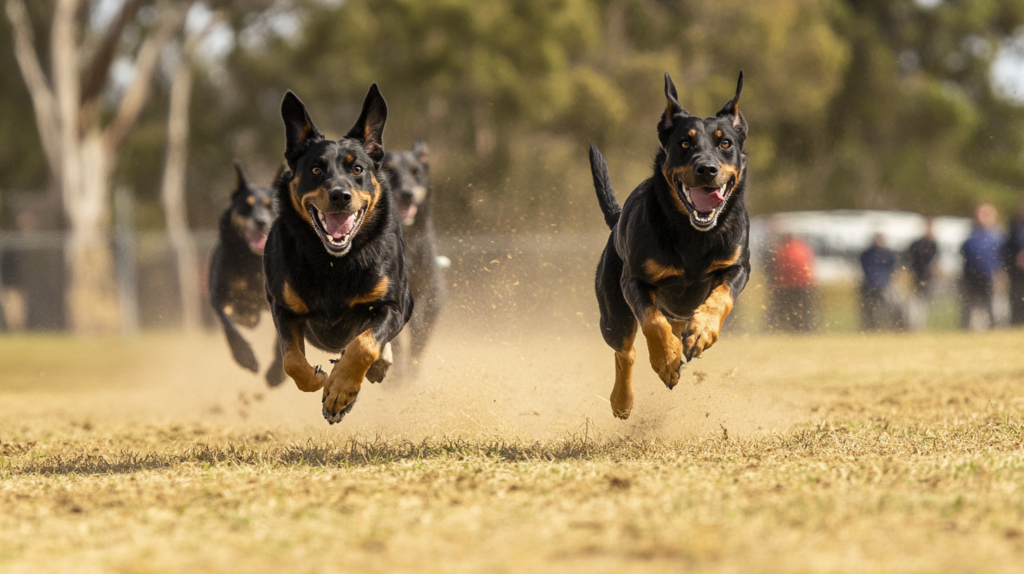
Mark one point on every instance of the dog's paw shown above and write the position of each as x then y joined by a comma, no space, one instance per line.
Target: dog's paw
313,383
701,334
338,400
245,357
380,367
666,361
621,405
275,374
336,418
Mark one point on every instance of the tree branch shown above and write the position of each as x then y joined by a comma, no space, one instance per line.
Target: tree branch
145,66
39,89
96,75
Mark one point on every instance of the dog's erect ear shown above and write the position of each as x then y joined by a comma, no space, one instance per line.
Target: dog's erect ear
299,130
240,184
673,111
731,109
369,128
419,149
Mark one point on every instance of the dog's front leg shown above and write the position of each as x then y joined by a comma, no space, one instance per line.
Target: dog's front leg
706,323
363,357
665,349
293,347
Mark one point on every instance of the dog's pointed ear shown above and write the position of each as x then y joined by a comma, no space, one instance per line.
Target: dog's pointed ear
299,130
420,150
240,184
369,128
731,109
673,111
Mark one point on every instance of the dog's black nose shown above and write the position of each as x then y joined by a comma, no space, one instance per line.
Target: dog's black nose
707,169
339,197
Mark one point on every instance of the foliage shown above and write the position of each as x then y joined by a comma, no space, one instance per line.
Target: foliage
852,103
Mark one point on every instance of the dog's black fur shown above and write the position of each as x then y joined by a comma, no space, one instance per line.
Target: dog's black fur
673,262
407,173
335,262
236,270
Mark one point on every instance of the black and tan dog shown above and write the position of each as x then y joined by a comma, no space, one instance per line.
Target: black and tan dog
335,264
406,172
236,270
678,255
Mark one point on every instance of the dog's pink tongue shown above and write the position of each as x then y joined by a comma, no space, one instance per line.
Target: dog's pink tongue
407,213
339,224
706,199
257,243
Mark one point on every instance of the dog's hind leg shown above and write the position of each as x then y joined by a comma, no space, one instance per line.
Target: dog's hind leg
275,374
380,367
240,349
618,327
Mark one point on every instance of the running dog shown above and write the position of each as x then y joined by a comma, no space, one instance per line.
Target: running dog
236,270
406,172
678,255
335,261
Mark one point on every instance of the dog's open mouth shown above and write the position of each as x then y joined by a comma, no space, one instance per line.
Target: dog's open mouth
705,204
336,230
257,241
407,211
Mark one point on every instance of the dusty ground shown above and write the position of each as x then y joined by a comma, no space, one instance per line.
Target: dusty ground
836,453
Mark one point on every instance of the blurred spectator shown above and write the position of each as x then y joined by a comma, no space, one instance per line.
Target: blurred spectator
878,263
982,260
791,273
1015,267
921,260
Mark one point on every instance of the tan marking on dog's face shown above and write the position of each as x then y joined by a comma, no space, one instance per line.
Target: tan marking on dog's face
665,350
707,321
656,271
346,377
250,200
239,222
294,302
378,292
727,262
297,205
718,134
297,367
684,173
727,172
692,133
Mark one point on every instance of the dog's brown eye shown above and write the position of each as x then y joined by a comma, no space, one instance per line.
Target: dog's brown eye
317,171
357,169
686,145
725,144
250,200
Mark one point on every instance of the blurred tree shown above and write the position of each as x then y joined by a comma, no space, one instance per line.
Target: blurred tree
80,137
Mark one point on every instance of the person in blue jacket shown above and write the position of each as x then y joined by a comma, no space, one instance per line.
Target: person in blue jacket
983,258
878,263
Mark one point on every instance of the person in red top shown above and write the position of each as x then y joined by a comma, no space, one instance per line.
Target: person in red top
791,277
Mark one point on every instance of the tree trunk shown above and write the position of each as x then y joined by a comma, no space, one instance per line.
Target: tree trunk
92,292
172,194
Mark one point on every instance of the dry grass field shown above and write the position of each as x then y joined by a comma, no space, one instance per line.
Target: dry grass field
833,453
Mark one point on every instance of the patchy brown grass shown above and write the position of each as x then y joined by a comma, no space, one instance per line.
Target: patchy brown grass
874,454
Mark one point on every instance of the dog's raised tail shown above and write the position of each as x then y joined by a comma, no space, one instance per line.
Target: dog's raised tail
603,186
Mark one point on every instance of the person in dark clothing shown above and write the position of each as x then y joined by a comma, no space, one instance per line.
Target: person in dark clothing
982,254
878,263
1014,262
921,260
791,271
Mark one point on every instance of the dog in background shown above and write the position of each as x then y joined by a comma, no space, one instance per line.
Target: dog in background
335,262
236,270
678,255
407,173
